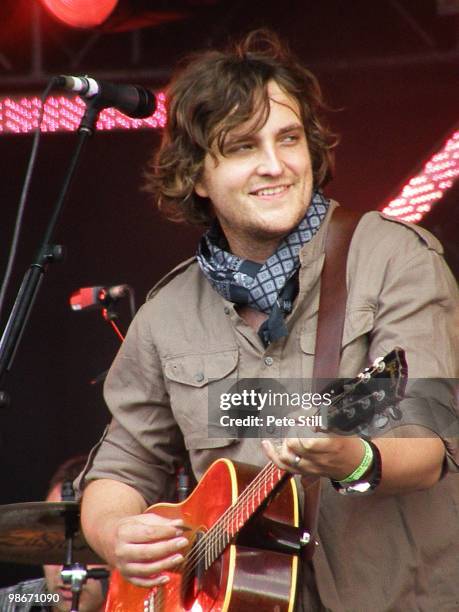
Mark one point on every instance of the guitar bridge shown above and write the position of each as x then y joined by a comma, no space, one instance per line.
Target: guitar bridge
274,536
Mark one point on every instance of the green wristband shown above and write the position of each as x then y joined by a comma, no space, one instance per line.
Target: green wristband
363,467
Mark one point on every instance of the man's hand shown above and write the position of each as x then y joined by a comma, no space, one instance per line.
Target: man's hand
146,545
410,463
140,546
334,457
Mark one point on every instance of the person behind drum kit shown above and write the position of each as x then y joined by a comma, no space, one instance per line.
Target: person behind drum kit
50,594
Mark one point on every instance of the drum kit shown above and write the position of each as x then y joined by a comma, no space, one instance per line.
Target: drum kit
48,533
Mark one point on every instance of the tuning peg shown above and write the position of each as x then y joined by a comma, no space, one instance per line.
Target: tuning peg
381,421
379,364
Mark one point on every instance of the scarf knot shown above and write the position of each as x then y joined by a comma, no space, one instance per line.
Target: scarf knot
269,287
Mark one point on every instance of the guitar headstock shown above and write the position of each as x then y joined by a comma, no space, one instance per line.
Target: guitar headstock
369,399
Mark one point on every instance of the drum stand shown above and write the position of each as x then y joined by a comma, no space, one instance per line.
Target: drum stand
76,574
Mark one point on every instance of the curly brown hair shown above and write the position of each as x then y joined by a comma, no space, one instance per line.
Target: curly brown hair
212,93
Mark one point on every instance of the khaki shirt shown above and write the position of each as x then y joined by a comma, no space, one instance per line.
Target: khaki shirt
396,553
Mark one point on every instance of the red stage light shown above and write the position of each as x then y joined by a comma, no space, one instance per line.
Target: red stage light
81,13
112,15
426,188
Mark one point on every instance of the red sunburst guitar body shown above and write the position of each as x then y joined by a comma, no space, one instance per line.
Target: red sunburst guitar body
241,577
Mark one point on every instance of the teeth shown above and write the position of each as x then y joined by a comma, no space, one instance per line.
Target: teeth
271,191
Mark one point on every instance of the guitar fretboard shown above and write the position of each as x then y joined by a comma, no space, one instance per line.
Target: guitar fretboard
214,541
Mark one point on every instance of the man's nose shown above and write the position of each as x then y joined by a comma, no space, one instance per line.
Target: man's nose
270,162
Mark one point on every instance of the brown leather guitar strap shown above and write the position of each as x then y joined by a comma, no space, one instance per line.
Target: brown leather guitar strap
333,293
330,325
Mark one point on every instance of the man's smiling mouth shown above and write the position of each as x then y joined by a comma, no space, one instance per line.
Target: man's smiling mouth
271,191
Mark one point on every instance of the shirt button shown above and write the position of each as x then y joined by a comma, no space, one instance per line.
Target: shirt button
269,361
226,310
199,377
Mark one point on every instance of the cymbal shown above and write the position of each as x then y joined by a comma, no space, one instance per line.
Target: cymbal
34,533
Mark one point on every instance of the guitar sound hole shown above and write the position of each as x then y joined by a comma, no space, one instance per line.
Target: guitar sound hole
197,582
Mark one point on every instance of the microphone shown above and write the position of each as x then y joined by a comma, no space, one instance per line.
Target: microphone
94,297
132,100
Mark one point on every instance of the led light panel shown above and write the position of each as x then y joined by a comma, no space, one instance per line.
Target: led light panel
426,188
63,114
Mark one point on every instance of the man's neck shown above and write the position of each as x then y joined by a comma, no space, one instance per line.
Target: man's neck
253,318
255,250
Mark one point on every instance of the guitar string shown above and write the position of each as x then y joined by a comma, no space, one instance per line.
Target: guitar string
231,515
202,546
213,531
199,550
225,528
213,536
220,527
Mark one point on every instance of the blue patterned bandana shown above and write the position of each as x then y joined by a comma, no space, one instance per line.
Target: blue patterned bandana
267,287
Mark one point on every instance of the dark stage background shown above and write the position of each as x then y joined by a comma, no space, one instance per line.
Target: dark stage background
390,118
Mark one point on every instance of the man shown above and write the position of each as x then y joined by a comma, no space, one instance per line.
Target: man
245,152
93,593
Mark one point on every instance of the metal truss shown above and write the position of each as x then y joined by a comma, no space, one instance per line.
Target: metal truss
38,73
131,46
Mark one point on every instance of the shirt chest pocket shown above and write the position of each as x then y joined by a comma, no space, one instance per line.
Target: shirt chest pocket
193,381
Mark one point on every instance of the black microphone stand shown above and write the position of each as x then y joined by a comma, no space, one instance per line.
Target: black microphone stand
47,254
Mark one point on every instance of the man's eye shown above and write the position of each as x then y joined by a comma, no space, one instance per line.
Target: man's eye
290,138
240,147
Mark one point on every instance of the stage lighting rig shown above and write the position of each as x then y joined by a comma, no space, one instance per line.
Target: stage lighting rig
121,15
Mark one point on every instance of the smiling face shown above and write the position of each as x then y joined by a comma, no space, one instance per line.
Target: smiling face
261,186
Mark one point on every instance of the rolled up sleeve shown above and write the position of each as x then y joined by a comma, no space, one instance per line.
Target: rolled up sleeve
143,445
418,310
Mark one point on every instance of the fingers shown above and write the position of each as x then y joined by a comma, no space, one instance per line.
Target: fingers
148,582
144,553
305,456
147,545
147,528
334,457
282,456
305,446
150,573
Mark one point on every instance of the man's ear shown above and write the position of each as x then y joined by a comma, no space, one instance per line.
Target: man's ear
200,189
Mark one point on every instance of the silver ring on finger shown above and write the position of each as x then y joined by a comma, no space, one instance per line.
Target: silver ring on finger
297,460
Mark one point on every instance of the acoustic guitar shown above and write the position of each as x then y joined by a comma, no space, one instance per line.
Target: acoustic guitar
243,523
